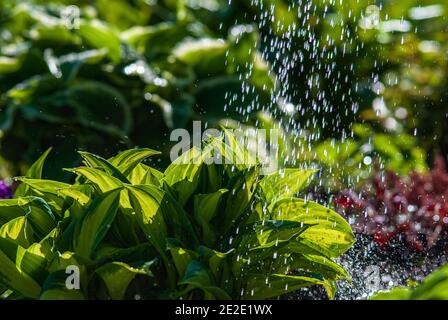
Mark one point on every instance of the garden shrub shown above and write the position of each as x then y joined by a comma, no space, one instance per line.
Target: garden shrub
196,231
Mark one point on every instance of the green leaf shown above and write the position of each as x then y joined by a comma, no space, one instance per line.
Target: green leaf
47,189
181,256
81,193
319,264
35,209
34,172
127,160
284,184
97,162
205,209
21,268
176,219
183,174
394,294
148,208
100,178
206,56
96,222
261,287
11,209
241,190
216,259
232,149
197,277
140,252
117,276
99,35
330,234
143,174
265,236
40,216
18,231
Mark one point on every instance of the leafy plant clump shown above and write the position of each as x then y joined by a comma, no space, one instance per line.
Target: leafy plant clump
199,230
413,208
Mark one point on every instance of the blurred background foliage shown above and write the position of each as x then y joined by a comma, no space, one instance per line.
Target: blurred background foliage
131,72
353,84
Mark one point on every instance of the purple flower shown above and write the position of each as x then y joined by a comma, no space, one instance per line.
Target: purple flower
5,191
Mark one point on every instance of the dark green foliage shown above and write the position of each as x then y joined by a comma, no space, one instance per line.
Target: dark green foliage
128,75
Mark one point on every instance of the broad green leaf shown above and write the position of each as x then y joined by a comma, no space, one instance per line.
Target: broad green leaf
34,172
215,258
13,278
285,183
232,151
241,190
176,219
96,222
205,209
117,276
183,174
21,268
197,277
269,286
100,178
330,233
319,264
96,162
47,189
141,252
127,160
81,193
237,143
142,174
394,294
270,232
40,216
35,209
11,209
42,186
125,229
206,56
99,35
18,231
181,256
148,208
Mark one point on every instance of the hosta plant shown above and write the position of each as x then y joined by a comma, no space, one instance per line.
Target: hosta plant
199,230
